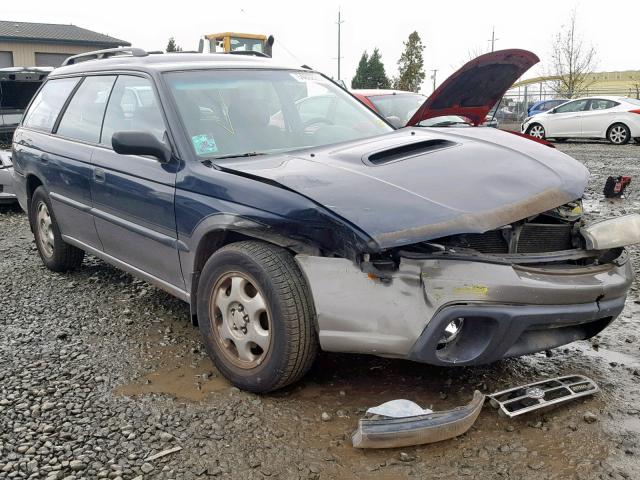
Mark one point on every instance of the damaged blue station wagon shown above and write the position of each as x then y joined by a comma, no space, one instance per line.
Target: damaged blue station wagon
290,226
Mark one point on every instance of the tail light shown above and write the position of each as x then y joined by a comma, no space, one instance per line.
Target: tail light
637,110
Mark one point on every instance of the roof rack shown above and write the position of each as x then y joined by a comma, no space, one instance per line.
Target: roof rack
106,53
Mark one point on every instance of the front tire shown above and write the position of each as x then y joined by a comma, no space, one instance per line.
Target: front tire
56,254
256,316
536,130
618,134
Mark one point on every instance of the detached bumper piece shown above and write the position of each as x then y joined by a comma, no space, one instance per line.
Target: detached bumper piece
403,432
518,400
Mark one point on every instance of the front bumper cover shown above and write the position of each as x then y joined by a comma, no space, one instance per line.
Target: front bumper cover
492,332
518,308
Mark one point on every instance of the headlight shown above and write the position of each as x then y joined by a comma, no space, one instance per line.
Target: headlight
613,233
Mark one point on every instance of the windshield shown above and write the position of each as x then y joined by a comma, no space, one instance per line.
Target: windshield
399,105
237,112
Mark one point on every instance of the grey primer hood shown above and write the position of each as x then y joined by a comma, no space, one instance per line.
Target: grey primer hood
418,184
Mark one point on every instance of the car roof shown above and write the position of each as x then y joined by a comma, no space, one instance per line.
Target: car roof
600,97
170,61
373,92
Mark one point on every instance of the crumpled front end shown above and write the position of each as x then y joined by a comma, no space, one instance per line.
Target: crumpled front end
472,299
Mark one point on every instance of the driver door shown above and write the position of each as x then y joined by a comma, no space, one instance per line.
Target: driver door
133,196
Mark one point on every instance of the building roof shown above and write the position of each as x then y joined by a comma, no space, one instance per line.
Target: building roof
55,33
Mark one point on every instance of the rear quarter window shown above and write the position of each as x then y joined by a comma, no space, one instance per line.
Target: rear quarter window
46,106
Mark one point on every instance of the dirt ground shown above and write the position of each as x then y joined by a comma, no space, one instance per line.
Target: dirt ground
99,370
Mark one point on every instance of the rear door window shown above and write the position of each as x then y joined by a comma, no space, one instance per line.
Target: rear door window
82,120
602,104
132,107
576,106
46,107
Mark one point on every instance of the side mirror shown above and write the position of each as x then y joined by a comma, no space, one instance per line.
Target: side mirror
140,143
553,110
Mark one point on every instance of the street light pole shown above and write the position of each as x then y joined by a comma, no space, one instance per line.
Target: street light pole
433,77
339,23
493,38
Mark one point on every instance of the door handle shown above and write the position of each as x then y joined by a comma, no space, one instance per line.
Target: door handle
98,175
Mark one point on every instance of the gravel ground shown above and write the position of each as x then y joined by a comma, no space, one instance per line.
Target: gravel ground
99,371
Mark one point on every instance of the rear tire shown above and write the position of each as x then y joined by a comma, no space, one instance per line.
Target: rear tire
56,254
536,130
256,316
619,134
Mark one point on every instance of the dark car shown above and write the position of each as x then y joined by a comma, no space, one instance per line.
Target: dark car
288,233
17,87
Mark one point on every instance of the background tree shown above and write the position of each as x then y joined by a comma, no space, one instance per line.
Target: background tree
377,77
572,61
411,65
360,77
172,47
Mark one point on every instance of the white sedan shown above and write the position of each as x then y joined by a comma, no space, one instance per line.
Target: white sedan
615,118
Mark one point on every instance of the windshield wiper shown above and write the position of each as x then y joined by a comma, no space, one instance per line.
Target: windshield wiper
238,155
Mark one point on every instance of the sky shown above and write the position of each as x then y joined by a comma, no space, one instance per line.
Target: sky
306,32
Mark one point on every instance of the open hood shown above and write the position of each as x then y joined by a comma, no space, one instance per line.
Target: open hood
476,87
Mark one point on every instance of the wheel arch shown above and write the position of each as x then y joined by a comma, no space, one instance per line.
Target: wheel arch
213,239
32,183
613,124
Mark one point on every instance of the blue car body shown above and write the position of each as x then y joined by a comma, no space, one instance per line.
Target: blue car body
544,106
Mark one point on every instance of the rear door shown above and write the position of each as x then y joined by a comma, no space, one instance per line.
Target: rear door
597,117
566,119
60,155
133,196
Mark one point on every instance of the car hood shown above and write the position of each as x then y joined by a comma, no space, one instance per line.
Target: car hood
418,184
476,87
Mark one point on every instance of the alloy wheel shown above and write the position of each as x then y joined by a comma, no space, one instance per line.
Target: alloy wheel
240,317
537,131
618,134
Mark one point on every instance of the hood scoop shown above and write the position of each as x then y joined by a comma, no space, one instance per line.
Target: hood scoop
404,152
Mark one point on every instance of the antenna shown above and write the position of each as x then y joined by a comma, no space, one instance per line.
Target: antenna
339,23
493,38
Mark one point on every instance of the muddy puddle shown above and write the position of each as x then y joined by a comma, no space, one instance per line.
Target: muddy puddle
184,382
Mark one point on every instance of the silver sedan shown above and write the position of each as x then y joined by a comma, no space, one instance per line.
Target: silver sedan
6,178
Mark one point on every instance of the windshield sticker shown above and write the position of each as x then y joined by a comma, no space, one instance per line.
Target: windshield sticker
204,144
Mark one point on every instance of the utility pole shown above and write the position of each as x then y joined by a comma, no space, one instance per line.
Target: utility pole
339,23
433,77
493,38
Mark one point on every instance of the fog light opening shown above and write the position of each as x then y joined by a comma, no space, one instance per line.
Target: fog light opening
450,333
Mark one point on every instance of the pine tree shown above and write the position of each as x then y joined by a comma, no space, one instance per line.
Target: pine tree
411,65
359,79
377,77
172,47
